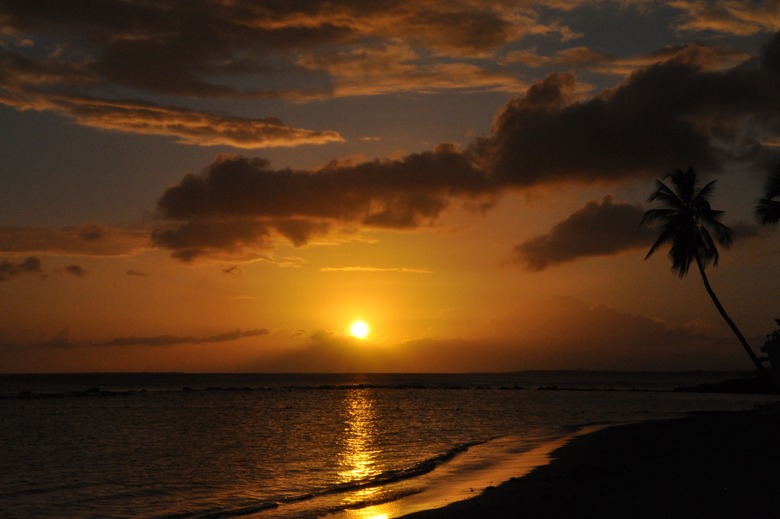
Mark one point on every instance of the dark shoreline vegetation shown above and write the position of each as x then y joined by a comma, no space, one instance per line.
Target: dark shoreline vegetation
711,464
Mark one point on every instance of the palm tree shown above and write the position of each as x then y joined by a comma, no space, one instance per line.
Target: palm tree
689,224
767,210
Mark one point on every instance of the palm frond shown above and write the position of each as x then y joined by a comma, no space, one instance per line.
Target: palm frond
707,250
722,232
665,194
767,211
772,185
651,215
666,236
706,192
691,226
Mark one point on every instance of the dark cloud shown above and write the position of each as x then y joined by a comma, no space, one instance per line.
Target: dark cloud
685,111
597,229
101,62
74,60
89,240
679,112
745,230
171,47
241,187
136,273
237,202
76,270
197,49
10,269
92,232
172,340
190,240
300,231
594,61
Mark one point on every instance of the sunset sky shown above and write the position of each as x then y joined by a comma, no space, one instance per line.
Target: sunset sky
227,185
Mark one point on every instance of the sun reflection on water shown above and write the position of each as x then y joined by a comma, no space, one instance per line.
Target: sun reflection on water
358,458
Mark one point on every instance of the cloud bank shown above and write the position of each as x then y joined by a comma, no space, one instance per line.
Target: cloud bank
10,269
678,112
598,229
684,111
187,125
238,202
87,240
172,340
104,64
76,270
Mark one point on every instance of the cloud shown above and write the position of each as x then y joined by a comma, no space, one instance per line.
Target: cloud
9,269
190,240
136,273
101,64
189,126
238,202
685,111
402,270
62,340
597,229
108,65
172,340
679,112
571,57
87,240
387,69
713,58
397,191
119,48
738,18
76,270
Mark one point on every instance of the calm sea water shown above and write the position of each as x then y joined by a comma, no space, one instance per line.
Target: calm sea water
282,446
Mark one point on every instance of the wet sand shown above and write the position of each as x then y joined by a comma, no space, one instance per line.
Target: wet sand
707,465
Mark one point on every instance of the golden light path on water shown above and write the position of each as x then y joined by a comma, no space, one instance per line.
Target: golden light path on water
359,456
359,452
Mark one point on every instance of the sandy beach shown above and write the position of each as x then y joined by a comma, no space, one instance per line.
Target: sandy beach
724,464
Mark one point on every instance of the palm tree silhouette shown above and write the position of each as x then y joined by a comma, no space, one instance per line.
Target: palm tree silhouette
768,210
689,224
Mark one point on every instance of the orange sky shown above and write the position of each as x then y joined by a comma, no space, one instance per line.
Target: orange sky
228,187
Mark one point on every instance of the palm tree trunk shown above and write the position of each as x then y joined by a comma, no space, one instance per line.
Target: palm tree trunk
728,320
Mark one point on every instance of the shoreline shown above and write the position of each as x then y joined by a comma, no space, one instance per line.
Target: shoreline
713,464
456,486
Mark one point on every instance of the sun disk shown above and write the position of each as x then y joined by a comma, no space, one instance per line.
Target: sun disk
359,329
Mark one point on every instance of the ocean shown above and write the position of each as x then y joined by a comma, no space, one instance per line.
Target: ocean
280,446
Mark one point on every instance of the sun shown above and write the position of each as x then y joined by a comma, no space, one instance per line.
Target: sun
359,329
